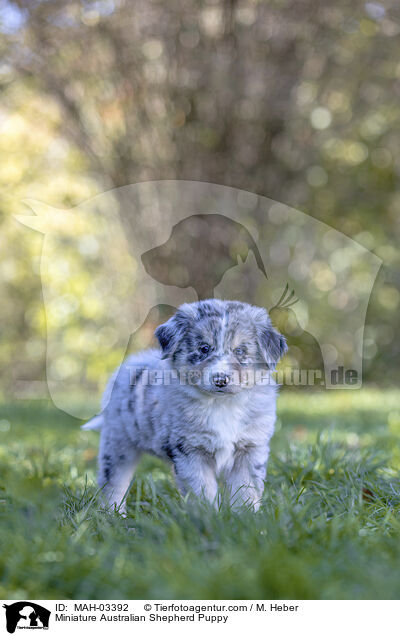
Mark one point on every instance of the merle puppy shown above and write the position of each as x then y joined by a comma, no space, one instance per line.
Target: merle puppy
204,401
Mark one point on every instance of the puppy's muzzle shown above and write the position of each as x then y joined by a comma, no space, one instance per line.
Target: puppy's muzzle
220,380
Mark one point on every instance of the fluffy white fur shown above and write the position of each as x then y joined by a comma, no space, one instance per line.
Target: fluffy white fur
190,403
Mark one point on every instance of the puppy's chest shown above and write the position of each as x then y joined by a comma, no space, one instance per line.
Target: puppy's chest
230,432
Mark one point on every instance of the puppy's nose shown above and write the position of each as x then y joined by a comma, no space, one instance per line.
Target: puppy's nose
220,379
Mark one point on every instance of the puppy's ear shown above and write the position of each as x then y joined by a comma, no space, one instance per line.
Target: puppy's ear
168,336
171,332
272,344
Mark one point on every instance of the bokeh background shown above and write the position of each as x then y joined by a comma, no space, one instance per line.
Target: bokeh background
297,101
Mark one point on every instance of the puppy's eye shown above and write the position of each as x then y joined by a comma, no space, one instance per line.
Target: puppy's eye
239,351
204,348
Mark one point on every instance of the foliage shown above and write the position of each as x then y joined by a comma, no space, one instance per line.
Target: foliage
294,100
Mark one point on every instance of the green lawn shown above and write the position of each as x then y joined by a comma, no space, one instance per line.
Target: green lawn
329,526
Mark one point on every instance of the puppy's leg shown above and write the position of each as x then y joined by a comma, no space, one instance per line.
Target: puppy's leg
118,459
246,479
195,472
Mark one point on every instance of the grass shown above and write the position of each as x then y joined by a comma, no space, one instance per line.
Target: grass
329,525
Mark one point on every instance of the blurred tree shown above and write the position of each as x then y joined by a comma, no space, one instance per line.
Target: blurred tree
296,100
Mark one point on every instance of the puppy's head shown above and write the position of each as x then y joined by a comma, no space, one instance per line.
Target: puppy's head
217,346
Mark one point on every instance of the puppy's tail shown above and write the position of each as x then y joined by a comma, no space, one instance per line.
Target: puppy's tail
94,424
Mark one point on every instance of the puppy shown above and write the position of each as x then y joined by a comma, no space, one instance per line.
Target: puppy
205,401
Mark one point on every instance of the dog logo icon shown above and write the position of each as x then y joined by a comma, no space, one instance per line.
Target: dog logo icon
117,265
26,615
227,240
